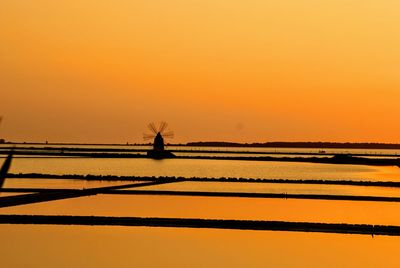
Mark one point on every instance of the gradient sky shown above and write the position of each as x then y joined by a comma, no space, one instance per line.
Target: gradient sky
245,71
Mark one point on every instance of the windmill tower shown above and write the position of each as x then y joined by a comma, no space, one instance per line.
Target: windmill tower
158,134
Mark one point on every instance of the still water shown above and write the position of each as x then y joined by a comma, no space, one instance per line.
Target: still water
203,168
76,246
239,187
104,247
382,213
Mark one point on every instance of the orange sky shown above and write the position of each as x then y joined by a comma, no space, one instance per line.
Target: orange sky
256,70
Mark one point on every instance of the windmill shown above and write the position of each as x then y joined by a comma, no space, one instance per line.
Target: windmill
158,134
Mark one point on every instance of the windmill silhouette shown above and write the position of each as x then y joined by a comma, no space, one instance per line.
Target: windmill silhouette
158,134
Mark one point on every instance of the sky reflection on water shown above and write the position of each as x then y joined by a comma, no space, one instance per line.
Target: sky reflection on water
203,168
103,247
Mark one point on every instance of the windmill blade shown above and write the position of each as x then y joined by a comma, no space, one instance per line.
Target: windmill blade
169,134
163,127
148,136
152,127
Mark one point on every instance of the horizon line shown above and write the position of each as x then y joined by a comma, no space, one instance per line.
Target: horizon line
209,143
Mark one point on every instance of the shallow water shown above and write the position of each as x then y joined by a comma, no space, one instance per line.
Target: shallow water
203,168
383,213
104,247
280,188
85,246
4,194
57,183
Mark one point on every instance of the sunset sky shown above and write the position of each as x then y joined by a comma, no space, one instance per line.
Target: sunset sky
244,71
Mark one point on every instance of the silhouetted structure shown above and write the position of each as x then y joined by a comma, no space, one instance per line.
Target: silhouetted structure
6,166
4,169
158,143
159,133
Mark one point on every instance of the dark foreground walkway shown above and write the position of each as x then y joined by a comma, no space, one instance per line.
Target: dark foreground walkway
44,196
365,229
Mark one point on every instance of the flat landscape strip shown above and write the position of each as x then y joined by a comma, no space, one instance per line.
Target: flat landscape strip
4,169
203,179
9,201
63,150
365,229
312,159
77,192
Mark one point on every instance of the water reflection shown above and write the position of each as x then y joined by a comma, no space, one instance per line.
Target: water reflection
58,183
203,168
382,213
76,246
4,194
277,188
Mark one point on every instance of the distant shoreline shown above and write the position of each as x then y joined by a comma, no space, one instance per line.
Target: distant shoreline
313,145
335,159
301,145
114,178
